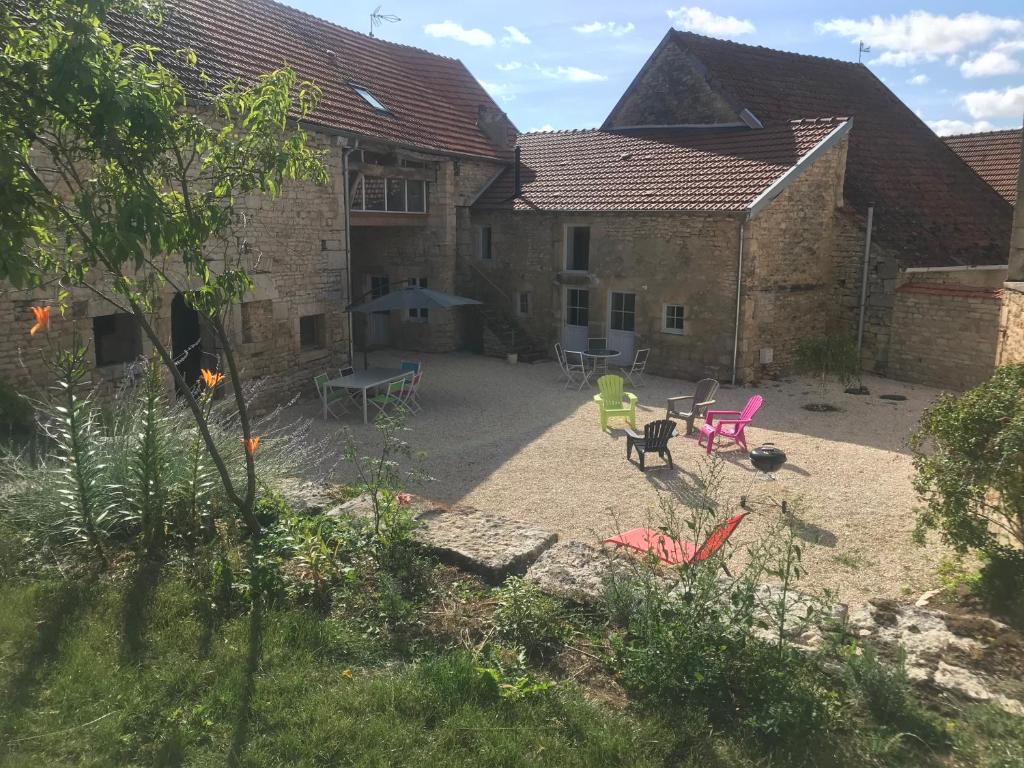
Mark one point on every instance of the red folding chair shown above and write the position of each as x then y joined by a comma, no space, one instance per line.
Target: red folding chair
673,551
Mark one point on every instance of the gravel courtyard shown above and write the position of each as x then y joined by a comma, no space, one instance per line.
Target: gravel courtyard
510,440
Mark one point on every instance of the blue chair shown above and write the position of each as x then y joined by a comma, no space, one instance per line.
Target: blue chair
413,366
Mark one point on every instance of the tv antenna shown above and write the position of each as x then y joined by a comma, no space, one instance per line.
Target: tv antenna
377,18
861,49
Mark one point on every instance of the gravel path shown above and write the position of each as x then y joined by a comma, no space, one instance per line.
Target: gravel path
510,440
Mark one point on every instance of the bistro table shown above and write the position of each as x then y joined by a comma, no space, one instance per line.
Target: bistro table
366,380
599,358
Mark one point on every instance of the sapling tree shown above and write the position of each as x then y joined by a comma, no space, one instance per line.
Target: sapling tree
112,181
833,356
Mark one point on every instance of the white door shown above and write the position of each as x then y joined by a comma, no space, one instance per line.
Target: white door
576,319
378,323
622,326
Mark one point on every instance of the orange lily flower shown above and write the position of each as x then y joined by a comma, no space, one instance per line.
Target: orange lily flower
251,445
210,378
42,316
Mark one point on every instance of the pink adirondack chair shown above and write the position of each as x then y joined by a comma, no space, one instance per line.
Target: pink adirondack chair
732,426
673,551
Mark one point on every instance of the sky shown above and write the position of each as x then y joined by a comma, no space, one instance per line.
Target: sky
560,65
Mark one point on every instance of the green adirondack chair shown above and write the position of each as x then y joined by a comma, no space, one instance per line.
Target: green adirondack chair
613,401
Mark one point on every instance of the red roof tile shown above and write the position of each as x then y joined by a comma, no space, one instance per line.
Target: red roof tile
951,291
433,100
994,155
599,170
929,207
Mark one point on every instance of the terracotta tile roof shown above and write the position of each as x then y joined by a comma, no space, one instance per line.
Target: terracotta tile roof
929,207
598,170
433,100
994,155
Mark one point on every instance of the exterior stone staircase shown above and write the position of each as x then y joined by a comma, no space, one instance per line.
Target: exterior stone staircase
502,334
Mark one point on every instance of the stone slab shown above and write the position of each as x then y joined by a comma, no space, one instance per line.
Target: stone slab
492,546
572,571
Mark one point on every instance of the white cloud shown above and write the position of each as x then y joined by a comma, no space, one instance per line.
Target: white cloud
544,128
919,35
572,74
949,127
460,33
918,80
983,105
516,36
990,64
696,19
511,66
498,90
612,28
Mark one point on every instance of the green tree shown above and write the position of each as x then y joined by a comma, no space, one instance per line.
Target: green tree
110,179
969,457
832,356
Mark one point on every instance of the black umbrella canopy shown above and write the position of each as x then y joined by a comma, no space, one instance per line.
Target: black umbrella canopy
413,298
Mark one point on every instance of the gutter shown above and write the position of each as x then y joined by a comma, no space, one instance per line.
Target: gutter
864,278
345,152
966,268
791,175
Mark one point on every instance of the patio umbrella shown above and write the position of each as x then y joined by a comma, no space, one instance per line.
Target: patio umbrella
412,297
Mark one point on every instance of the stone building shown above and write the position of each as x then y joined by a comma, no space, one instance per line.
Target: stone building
636,237
910,241
410,138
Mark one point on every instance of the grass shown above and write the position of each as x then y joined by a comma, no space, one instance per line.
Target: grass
84,686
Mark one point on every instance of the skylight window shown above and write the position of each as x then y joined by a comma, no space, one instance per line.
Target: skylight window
369,98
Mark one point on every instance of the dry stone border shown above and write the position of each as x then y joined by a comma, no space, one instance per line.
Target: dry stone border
974,657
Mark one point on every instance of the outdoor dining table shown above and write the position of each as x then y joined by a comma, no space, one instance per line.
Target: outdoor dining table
366,380
599,358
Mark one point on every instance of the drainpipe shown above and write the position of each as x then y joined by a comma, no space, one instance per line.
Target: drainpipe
864,278
739,291
345,152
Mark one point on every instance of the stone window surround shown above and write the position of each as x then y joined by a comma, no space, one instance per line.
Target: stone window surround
567,240
319,322
665,327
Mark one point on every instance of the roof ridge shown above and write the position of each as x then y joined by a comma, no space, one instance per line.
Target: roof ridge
564,130
682,32
320,20
980,133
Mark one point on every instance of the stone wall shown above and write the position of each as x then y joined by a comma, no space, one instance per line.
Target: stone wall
790,274
662,258
426,250
295,250
1011,348
672,90
946,327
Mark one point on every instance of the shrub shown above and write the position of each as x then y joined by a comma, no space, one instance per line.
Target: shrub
969,462
527,617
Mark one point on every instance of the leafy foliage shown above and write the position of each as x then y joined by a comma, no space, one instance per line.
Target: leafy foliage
833,356
528,618
112,179
969,459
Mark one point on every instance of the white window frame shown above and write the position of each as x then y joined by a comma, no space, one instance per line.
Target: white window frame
664,320
611,310
567,240
568,291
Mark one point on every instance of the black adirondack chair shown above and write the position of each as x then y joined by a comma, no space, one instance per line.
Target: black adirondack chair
654,440
689,408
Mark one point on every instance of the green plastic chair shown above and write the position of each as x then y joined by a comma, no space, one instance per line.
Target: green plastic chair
329,395
613,401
